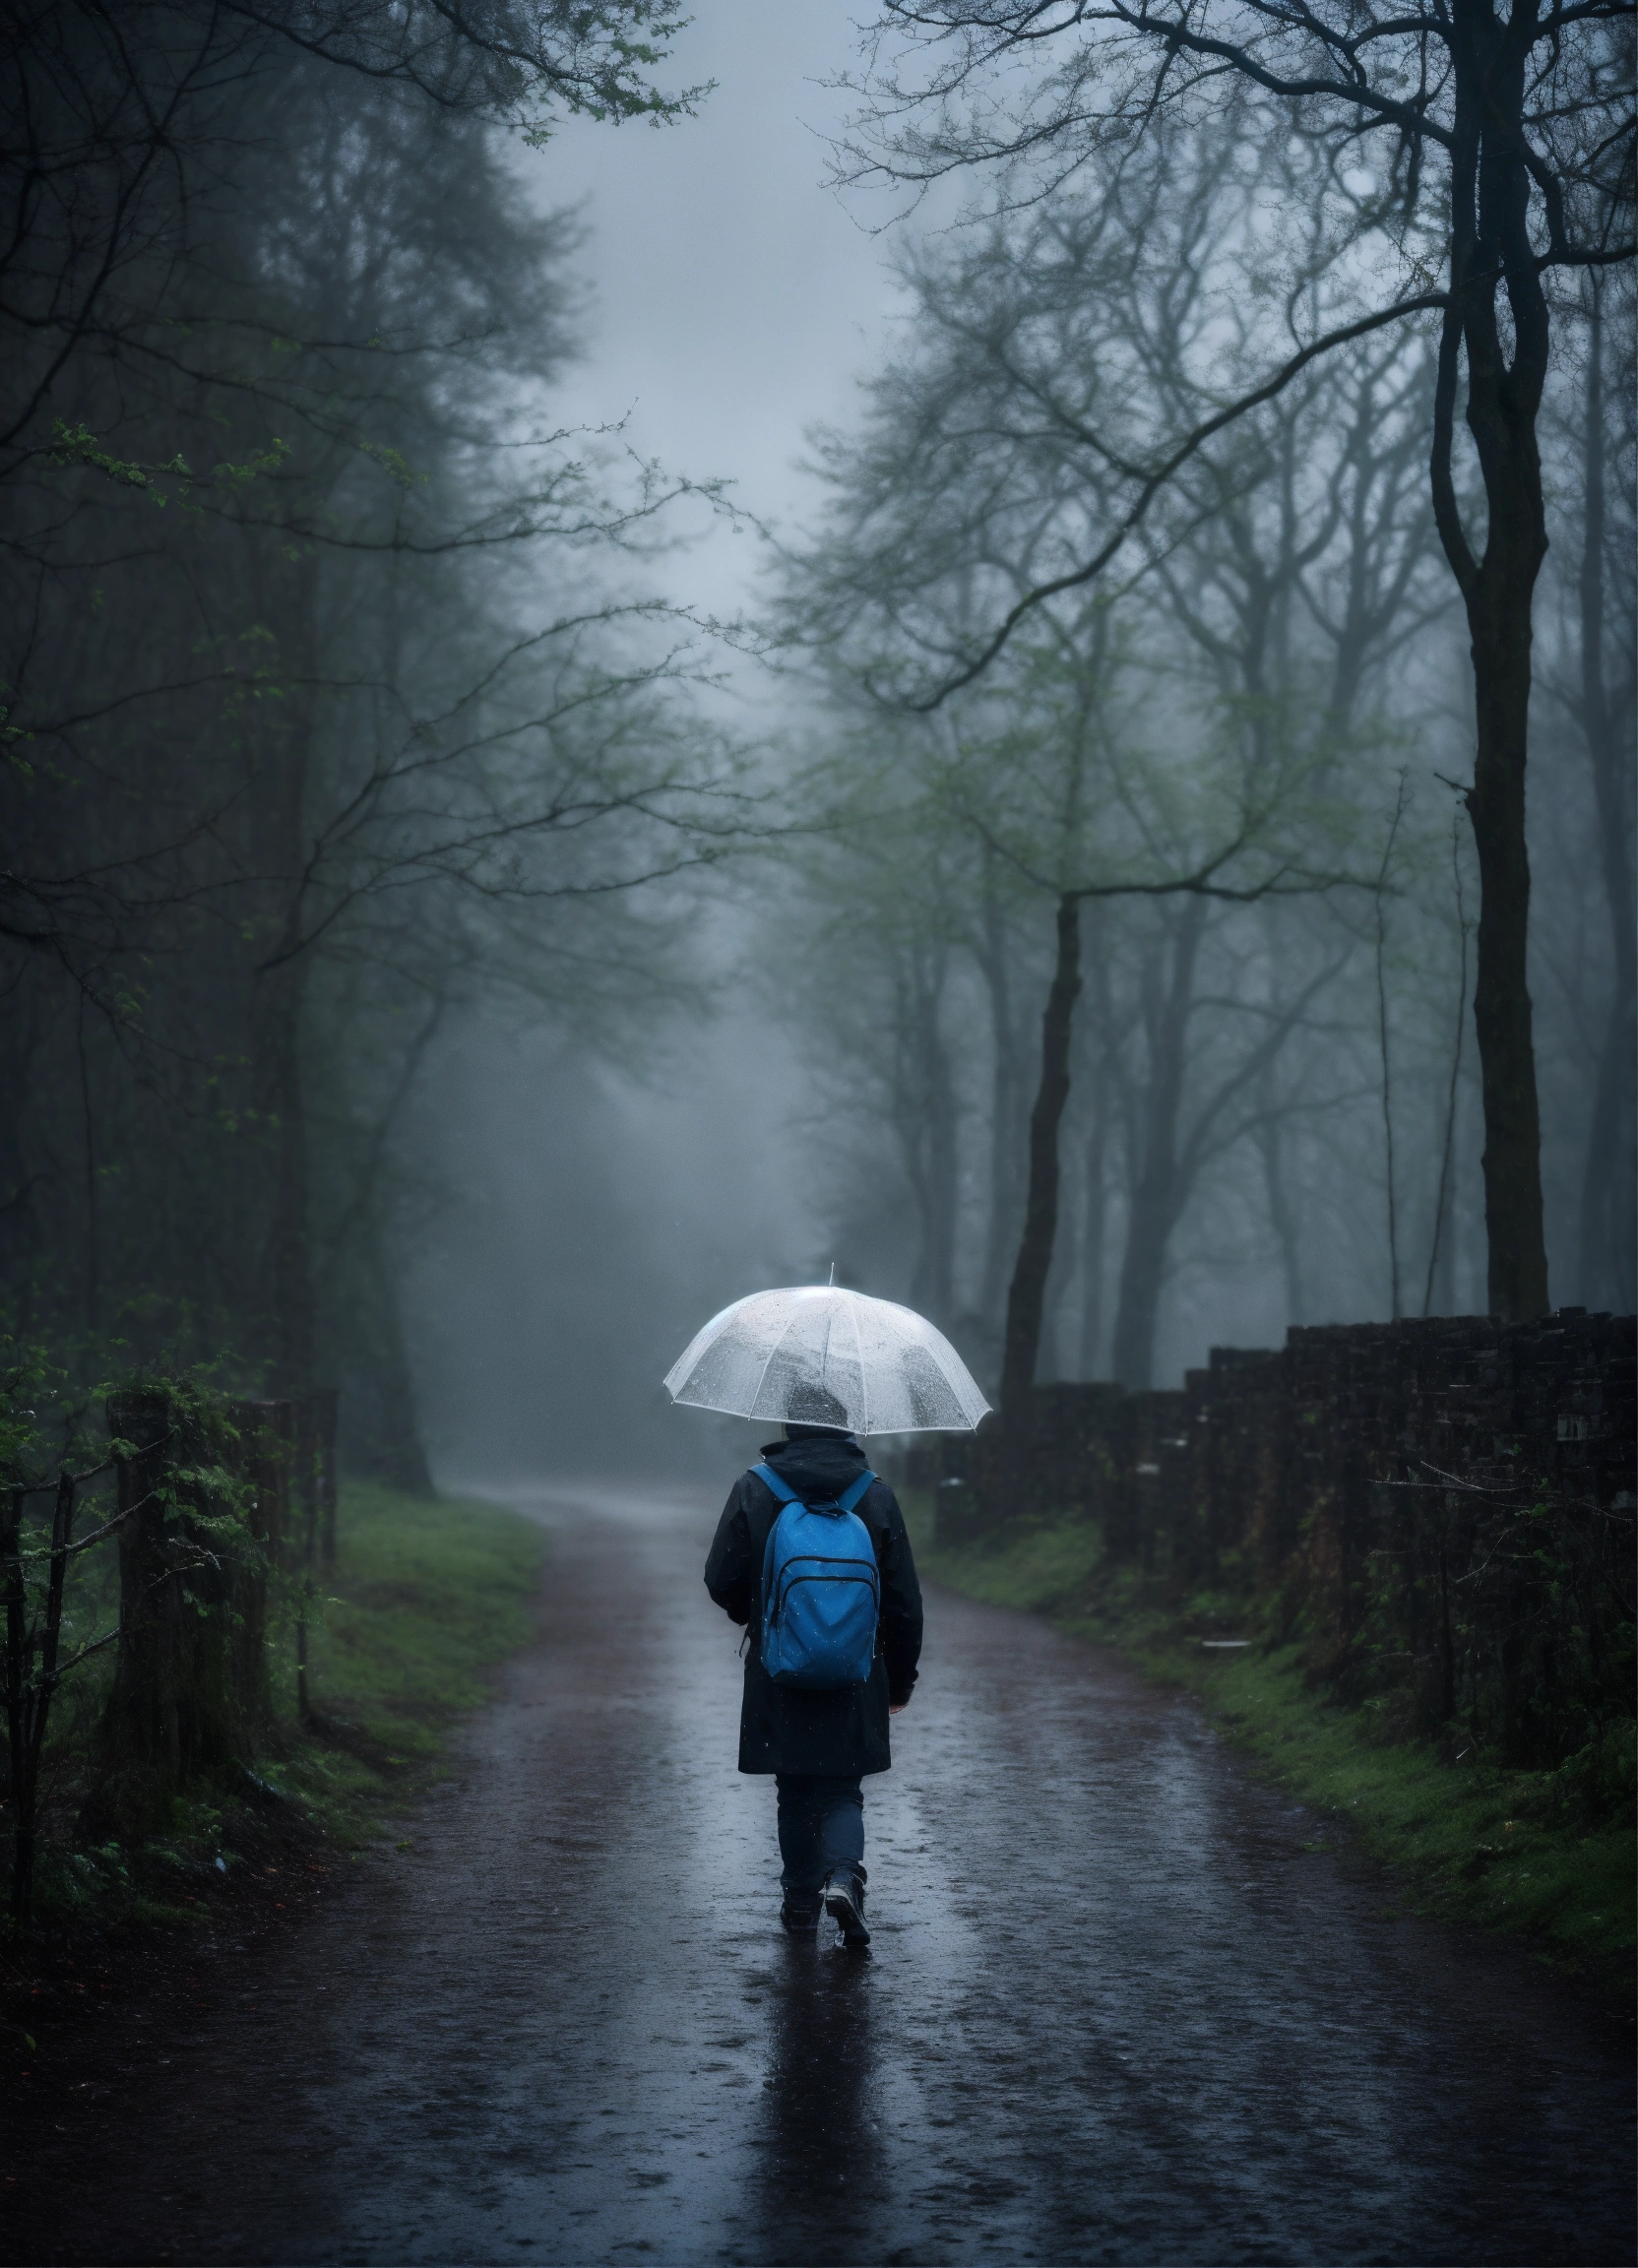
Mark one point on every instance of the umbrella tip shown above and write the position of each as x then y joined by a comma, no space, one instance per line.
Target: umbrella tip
833,1274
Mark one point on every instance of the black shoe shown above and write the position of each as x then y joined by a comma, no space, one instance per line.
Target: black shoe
801,1915
845,1904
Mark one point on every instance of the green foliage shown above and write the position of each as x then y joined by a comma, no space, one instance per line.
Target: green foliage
190,1551
33,1391
1504,1612
77,446
53,1394
425,1597
1546,1855
426,1594
612,48
202,1480
1032,1569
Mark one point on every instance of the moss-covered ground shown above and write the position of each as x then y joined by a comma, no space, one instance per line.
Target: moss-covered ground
424,1600
424,1597
1545,1857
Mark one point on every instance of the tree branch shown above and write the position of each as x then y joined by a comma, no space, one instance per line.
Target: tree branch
1156,481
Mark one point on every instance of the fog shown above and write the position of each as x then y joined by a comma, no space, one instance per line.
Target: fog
577,728
592,1225
736,299
658,651
600,1211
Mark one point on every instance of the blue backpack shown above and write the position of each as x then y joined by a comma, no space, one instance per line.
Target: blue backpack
821,1592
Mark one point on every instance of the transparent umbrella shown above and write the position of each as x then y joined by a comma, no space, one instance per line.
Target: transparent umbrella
820,1355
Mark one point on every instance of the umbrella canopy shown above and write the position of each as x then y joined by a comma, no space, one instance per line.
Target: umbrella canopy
819,1355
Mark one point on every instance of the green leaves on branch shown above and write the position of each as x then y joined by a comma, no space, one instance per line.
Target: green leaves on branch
77,447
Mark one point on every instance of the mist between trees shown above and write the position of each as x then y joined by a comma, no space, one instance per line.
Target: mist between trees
335,702
1233,763
1114,869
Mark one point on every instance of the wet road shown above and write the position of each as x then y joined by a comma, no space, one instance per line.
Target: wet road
1115,2011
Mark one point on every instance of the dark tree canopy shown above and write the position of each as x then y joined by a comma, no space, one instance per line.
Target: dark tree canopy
327,696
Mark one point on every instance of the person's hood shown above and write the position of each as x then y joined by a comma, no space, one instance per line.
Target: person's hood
818,1464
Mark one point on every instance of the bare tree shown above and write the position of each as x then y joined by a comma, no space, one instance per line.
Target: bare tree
1602,703
1528,121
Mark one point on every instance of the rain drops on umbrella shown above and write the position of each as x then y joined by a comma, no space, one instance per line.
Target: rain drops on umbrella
819,1355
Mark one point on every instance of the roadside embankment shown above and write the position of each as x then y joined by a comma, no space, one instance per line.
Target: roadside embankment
1394,1559
1541,1855
426,1594
423,1597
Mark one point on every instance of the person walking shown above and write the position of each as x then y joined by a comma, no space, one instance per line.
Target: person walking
819,1739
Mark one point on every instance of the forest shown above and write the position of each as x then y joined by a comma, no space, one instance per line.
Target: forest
337,698
1115,804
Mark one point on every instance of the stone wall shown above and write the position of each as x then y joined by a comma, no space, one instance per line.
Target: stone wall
1443,1509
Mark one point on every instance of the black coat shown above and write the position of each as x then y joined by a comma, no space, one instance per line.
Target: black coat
788,1728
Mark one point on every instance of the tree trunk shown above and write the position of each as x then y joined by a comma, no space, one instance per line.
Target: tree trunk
926,1126
938,1250
325,1429
1098,1055
1094,1238
189,1670
401,1460
1441,1300
1501,1005
1606,1224
1027,1297
1001,1227
279,782
1283,1213
1491,244
1441,1259
87,1121
21,1777
290,1260
1156,1198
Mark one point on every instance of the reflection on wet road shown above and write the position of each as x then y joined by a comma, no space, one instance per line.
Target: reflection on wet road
1119,2008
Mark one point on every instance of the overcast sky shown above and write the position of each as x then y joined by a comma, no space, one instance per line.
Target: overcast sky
736,299
734,302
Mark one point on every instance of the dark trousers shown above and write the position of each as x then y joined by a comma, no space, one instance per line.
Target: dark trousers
821,1828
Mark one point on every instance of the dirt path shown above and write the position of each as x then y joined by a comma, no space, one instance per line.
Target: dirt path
1118,2009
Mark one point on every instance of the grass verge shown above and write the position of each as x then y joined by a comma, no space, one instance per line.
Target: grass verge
1544,1856
424,1597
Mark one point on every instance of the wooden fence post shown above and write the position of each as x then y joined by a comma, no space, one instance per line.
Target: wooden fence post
324,1405
267,1434
156,1726
189,1685
304,1540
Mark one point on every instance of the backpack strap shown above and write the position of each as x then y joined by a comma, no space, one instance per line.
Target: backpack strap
853,1494
849,1498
